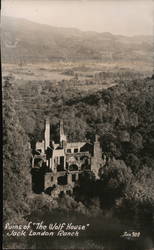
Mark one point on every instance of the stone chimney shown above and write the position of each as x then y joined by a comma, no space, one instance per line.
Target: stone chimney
47,133
62,134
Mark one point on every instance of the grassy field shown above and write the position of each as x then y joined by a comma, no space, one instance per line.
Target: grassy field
54,70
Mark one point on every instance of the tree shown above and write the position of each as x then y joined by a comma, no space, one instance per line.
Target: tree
137,201
133,162
115,179
16,156
86,187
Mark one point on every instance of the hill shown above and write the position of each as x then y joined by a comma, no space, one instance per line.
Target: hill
24,41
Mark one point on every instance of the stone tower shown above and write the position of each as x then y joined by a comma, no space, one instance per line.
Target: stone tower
47,133
97,156
62,135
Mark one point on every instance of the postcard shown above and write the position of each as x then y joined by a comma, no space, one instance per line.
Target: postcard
78,124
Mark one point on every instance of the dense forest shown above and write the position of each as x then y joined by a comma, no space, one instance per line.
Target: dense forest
123,117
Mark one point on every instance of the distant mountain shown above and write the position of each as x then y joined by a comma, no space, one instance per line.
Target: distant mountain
24,41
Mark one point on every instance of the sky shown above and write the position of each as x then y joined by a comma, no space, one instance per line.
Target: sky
125,17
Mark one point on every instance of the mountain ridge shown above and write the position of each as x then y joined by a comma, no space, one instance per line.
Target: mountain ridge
27,41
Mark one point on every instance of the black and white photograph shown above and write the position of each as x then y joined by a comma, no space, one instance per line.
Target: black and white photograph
78,124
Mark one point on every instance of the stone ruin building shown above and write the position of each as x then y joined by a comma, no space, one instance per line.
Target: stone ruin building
59,165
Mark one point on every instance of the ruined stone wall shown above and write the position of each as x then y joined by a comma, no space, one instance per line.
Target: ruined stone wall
56,159
40,145
49,180
73,146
